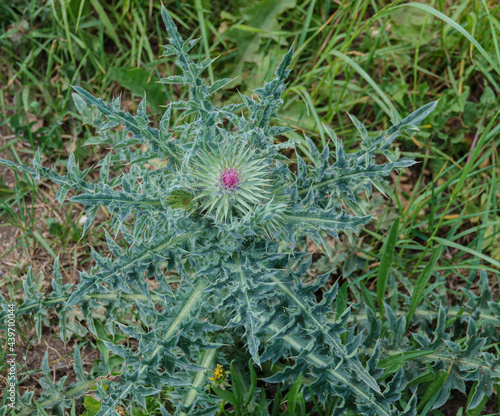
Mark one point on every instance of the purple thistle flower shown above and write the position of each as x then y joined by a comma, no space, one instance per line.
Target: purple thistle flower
230,178
230,181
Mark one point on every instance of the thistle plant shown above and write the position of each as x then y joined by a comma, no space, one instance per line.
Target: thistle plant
225,217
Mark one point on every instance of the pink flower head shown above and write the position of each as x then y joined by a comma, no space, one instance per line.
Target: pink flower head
230,178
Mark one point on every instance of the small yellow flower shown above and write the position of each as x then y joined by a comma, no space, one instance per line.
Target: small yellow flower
120,410
217,374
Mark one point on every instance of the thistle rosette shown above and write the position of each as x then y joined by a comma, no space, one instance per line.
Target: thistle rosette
230,181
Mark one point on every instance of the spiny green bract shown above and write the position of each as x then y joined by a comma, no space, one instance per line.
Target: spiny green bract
223,215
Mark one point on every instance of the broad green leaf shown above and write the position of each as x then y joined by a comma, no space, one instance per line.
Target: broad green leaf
432,392
386,264
253,384
421,284
225,395
292,395
237,385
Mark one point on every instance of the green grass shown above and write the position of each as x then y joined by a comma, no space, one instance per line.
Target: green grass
376,60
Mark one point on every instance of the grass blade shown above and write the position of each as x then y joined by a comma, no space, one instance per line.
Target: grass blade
475,253
110,29
204,37
456,26
44,244
66,29
390,109
307,22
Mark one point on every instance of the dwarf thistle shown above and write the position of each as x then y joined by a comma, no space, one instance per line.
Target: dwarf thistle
229,179
226,216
